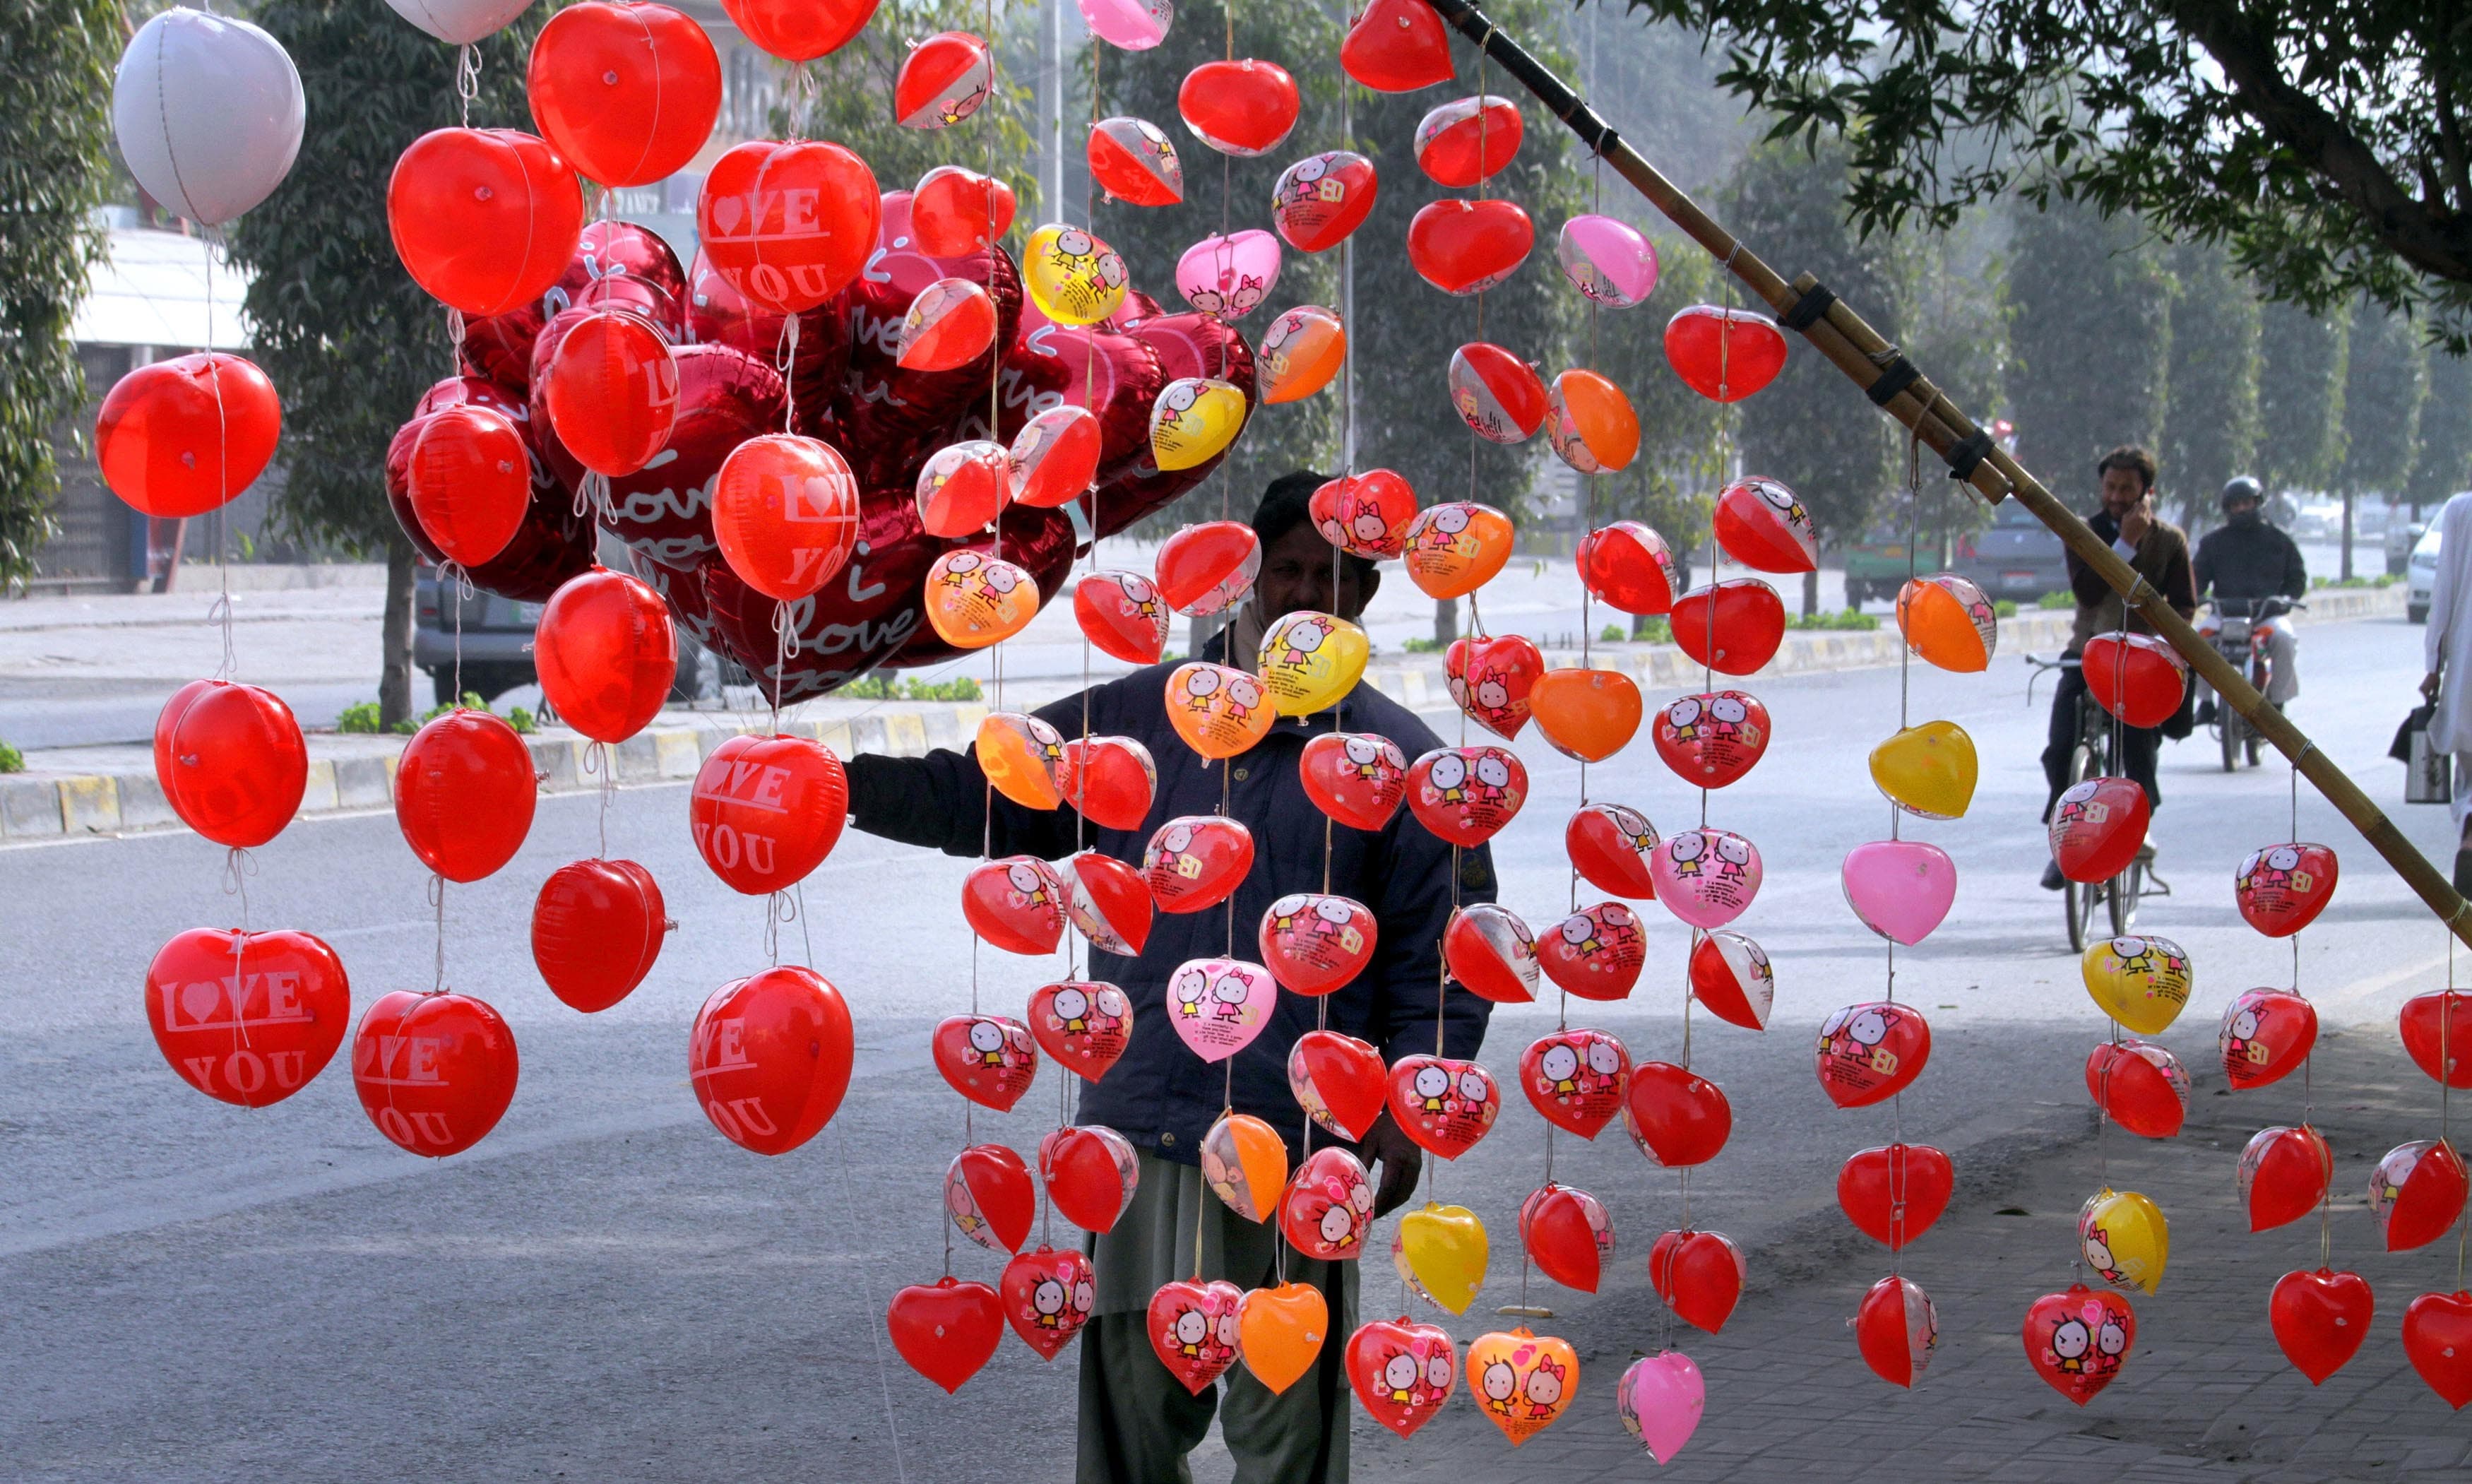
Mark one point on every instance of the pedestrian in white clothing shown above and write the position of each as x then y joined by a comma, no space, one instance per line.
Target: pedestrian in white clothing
2450,633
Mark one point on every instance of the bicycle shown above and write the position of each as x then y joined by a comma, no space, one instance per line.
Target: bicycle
2092,758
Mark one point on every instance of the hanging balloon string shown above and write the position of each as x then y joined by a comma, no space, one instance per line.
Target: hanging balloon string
995,352
599,763
219,613
786,357
875,1322
467,80
454,580
1896,831
239,865
780,909
785,645
438,952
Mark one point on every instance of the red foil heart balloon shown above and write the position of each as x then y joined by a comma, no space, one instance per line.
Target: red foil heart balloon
1047,1297
1195,861
1870,1053
1723,354
1327,1206
2438,1340
1713,738
1109,902
231,761
1015,904
1398,46
2097,826
2283,1175
988,1059
1442,1104
1083,1023
2415,1194
2320,1318
1733,627
1491,953
1467,246
1610,848
1109,780
1338,1081
2437,1033
1402,1372
435,1072
1732,975
2281,889
1122,615
1894,1192
597,927
2135,676
2077,1340
1355,778
247,1017
463,793
1576,1079
1090,1172
767,810
1596,952
1490,678
2142,1085
1897,1330
988,1197
1568,1235
1314,944
1193,1327
945,1329
1628,566
1466,795
770,1058
1699,1275
1675,1116
2265,1033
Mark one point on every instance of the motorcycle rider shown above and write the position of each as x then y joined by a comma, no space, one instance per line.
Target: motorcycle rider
2247,558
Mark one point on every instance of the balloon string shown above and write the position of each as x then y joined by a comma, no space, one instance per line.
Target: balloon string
220,613
788,359
467,80
437,963
452,579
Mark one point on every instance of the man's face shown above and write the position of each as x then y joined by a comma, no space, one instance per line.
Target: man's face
1295,575
2240,510
2121,488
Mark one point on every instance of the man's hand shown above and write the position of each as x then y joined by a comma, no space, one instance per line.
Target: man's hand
2139,518
2429,684
1401,1161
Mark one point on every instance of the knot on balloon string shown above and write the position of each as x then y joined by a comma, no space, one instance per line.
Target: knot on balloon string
219,613
239,865
786,630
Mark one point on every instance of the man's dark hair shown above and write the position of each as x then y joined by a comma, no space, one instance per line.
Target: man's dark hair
2128,455
1287,504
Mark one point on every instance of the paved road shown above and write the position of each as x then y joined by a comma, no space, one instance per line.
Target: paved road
605,1289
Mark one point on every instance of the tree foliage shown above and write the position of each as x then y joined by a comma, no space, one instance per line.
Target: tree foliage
2301,363
2441,461
2090,340
2211,434
2384,377
55,93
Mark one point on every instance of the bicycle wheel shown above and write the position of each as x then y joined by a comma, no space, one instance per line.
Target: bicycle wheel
2120,898
2232,728
2080,901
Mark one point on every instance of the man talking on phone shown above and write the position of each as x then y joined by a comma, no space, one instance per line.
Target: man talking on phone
2159,553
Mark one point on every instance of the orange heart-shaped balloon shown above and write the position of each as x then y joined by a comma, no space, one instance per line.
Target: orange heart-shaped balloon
1522,1382
1454,549
975,600
1023,759
1219,711
1587,714
1280,1332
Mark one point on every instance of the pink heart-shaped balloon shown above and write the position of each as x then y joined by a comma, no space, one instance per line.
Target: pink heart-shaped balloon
1707,877
1220,1004
1229,276
1660,1402
1901,889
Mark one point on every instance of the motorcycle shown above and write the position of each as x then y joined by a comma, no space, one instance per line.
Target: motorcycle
2239,629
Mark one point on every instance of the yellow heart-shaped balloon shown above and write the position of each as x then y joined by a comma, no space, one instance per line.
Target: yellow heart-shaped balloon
1442,1252
1244,1165
1927,769
2124,1239
975,600
1310,661
1193,420
2143,983
1279,1332
1220,713
1521,1382
1020,753
1071,275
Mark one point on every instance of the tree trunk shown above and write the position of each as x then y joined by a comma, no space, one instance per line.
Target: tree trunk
1446,621
2347,536
1811,592
395,636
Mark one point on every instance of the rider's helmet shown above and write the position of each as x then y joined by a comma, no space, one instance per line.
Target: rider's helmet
2242,488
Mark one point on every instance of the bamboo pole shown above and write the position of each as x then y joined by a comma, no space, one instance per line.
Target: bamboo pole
1866,357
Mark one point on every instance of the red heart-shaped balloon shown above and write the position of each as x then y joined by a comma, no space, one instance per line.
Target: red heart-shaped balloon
1466,795
184,435
956,211
1491,953
990,1060
1110,780
2135,676
2097,827
800,30
1568,1235
2265,1032
1467,247
1870,1052
2281,889
1699,1275
1338,1081
1596,952
1576,1079
1355,778
1402,1372
1321,198
1733,627
1195,861
1209,567
1894,1192
788,223
435,1072
1123,614
1108,901
1085,1024
770,1058
1732,975
1897,1330
1442,1104
607,655
1016,903
247,1017
1490,678
767,810
1713,738
1760,524
1193,1327
1327,1206
1628,566
2142,1085
1244,108
1723,354
1675,1116
230,761
1610,848
1047,1297
2320,1319
1468,140
2283,1175
1314,944
2077,1340
463,793
2438,1340
945,1329
1366,513
988,1197
2416,1192
2437,1033
1090,1172
1398,46
597,927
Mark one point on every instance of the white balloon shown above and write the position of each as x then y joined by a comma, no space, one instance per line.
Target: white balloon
209,112
458,22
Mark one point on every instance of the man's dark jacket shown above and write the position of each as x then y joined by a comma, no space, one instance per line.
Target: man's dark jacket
2250,560
1161,1094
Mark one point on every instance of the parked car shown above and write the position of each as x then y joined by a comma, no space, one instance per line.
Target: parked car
2318,520
2016,557
2420,577
2403,537
1876,566
497,639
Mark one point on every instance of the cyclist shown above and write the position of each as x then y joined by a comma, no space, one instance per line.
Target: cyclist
2159,553
2247,557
